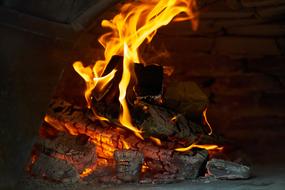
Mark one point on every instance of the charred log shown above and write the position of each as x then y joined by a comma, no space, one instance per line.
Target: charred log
128,164
222,169
149,81
109,139
76,150
54,169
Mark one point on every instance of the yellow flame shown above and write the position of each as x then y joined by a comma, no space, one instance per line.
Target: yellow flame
206,146
125,145
92,80
206,121
137,22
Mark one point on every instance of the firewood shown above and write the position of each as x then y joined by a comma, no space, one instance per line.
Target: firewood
108,139
128,164
191,166
163,123
149,81
54,169
76,150
222,169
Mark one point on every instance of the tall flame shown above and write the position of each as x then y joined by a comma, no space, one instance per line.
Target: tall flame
137,22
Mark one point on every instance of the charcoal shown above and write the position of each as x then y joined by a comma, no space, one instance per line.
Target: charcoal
149,80
54,169
190,166
222,169
128,164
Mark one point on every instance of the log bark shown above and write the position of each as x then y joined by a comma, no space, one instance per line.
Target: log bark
108,139
76,150
54,169
222,169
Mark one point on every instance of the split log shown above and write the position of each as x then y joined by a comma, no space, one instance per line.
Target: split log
106,102
108,139
149,81
191,166
163,123
128,164
76,150
222,169
54,169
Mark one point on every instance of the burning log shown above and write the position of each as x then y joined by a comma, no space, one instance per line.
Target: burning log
191,166
164,123
108,139
128,164
222,169
54,169
76,150
149,81
105,102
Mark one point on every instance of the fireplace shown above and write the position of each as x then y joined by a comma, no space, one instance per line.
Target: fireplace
224,80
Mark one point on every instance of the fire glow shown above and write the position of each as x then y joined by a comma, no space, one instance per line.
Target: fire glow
137,22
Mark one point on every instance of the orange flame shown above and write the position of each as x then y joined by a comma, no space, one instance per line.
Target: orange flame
92,80
86,172
206,121
207,147
137,22
157,141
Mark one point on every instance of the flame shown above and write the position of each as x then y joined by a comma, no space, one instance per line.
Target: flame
125,145
205,120
92,80
137,22
207,147
86,172
157,141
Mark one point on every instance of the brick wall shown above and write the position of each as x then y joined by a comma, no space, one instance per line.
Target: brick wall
237,58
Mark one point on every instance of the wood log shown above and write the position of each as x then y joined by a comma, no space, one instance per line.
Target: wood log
149,81
222,169
54,169
108,139
165,124
76,150
128,164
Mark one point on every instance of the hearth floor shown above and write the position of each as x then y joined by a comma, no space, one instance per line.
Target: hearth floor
264,177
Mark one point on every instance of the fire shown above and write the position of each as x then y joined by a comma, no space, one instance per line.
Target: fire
207,147
205,120
86,172
157,141
137,22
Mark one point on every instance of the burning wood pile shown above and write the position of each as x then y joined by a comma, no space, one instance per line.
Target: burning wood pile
138,125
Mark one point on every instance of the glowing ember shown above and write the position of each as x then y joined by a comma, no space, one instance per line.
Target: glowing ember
137,22
207,147
86,172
